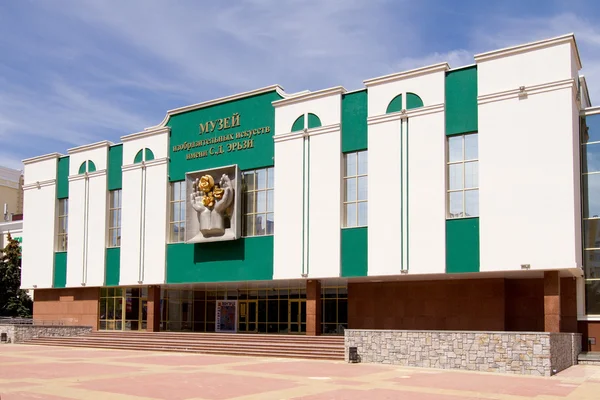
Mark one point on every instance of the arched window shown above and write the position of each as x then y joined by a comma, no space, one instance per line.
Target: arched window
144,154
395,105
309,121
87,166
413,101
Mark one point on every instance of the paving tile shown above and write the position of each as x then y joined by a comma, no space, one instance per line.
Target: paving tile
314,369
381,394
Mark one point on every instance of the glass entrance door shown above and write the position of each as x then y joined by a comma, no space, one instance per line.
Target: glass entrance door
248,316
297,316
143,314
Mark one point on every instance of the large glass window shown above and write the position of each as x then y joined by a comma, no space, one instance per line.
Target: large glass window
355,189
258,197
177,212
63,211
114,218
463,176
334,301
590,168
124,308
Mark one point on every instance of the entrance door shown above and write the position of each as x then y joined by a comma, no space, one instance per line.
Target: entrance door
143,314
297,316
248,316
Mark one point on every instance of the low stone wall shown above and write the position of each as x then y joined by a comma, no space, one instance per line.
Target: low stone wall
22,333
525,353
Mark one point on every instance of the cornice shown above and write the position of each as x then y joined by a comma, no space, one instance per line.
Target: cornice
398,76
89,175
308,96
145,164
146,133
98,145
523,48
526,91
321,130
400,115
220,100
39,184
45,157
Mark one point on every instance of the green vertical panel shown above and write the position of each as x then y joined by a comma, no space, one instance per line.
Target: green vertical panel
115,162
298,124
59,280
354,252
313,121
113,266
91,166
461,101
82,168
245,259
354,121
413,101
149,155
138,157
395,105
62,178
462,245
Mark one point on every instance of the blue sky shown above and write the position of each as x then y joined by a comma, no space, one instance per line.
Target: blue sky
73,72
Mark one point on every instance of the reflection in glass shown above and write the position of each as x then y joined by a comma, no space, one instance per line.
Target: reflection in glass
249,181
362,214
270,200
592,297
350,214
456,176
591,233
270,224
591,196
593,129
592,158
261,179
471,203
351,164
455,148
471,174
270,178
362,188
456,204
362,162
471,151
350,189
591,263
261,201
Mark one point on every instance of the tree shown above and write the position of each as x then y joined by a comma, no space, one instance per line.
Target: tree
14,302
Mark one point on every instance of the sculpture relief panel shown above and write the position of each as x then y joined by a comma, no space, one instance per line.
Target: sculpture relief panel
213,210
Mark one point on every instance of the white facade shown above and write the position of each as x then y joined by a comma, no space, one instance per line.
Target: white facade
529,191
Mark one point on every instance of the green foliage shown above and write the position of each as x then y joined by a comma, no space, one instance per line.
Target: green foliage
14,302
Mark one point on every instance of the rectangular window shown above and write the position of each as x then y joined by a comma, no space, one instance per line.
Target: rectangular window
257,198
114,218
177,212
463,176
63,211
355,189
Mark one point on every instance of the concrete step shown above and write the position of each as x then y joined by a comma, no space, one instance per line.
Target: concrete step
308,347
589,358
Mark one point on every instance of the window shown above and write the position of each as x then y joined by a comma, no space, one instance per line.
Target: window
355,189
114,218
334,317
463,176
63,211
590,168
258,197
177,212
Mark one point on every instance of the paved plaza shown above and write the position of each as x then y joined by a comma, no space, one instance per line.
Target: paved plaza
56,373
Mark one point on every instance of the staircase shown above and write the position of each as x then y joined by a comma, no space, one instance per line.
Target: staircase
589,358
256,345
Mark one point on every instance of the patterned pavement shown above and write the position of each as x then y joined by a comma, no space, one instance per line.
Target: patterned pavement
58,373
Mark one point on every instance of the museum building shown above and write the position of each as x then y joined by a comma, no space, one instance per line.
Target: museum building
431,199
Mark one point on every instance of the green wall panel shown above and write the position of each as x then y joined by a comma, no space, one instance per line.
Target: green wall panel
354,252
115,162
413,101
113,266
82,168
139,157
313,121
395,105
62,178
462,245
91,166
149,155
461,101
59,280
248,144
245,259
298,124
354,121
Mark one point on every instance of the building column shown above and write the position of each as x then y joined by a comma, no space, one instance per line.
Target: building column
313,307
153,309
551,301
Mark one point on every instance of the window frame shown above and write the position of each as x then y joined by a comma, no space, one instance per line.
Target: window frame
181,202
62,237
117,209
463,189
355,177
255,191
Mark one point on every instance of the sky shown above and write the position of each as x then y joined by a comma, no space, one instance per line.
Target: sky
74,72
